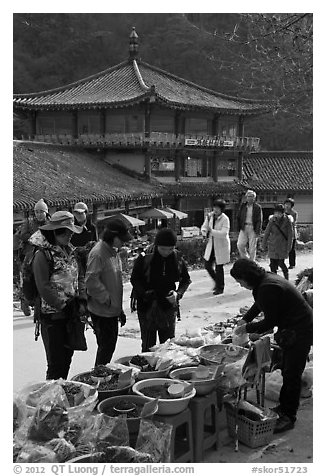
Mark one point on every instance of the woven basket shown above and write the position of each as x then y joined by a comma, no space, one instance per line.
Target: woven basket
251,433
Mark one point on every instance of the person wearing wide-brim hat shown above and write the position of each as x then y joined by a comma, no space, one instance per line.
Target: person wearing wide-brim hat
60,283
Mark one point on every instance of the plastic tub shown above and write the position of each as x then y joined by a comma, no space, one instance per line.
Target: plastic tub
133,423
170,406
103,394
202,386
215,353
143,375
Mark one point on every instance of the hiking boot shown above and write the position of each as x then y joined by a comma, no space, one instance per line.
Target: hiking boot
25,307
284,423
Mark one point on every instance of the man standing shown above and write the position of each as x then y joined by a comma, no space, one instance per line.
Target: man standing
104,288
217,253
289,210
249,220
89,232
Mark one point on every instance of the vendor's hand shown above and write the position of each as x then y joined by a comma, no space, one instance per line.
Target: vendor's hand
122,319
238,331
172,298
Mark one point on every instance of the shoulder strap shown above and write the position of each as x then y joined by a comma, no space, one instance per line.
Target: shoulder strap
49,257
281,231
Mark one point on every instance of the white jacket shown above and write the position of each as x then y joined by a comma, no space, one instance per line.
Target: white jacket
219,236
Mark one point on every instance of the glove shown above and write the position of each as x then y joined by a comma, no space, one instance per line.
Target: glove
238,331
241,322
122,319
173,298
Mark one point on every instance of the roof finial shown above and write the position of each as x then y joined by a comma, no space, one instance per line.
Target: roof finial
133,44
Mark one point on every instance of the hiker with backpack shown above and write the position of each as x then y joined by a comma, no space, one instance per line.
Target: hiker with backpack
278,237
61,289
28,228
155,295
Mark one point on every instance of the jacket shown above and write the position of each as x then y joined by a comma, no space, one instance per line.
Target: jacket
283,307
88,234
103,281
147,287
28,228
257,217
66,280
294,214
218,237
278,237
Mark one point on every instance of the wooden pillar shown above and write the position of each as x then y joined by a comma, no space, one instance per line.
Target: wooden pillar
214,166
215,123
241,126
147,165
32,123
147,120
75,124
177,166
103,122
176,123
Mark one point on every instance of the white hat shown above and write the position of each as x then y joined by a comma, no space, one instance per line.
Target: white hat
81,207
41,205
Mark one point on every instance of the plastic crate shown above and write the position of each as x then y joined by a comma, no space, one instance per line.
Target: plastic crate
251,433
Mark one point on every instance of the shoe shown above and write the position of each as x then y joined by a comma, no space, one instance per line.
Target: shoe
25,308
218,291
291,267
277,410
284,423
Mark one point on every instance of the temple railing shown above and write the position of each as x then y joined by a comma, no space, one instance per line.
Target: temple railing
156,139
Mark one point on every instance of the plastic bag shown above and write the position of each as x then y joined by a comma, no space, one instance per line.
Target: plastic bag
121,454
51,416
232,375
62,448
34,453
19,412
102,430
154,438
273,384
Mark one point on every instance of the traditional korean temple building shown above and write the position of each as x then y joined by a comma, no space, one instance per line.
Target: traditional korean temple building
186,141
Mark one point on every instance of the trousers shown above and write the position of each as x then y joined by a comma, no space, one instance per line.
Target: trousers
292,254
216,272
275,263
106,332
294,362
149,332
58,355
247,241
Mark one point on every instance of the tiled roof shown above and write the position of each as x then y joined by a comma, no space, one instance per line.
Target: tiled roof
131,82
202,189
65,176
278,171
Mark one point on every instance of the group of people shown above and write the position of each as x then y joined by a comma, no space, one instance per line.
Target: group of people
279,237
94,287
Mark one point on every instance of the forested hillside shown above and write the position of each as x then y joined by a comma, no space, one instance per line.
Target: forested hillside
51,50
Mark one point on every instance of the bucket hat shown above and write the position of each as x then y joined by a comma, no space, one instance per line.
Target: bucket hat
62,219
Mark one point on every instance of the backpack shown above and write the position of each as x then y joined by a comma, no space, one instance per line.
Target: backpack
29,287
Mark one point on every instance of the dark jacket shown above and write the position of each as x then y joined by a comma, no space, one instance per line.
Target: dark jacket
257,217
283,306
154,276
88,234
278,237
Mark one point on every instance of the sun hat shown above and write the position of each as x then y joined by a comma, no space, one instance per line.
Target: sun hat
118,228
81,207
165,237
41,205
62,219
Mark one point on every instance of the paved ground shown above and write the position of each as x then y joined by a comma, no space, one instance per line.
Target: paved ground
199,308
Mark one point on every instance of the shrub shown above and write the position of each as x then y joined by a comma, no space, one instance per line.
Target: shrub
192,249
305,233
